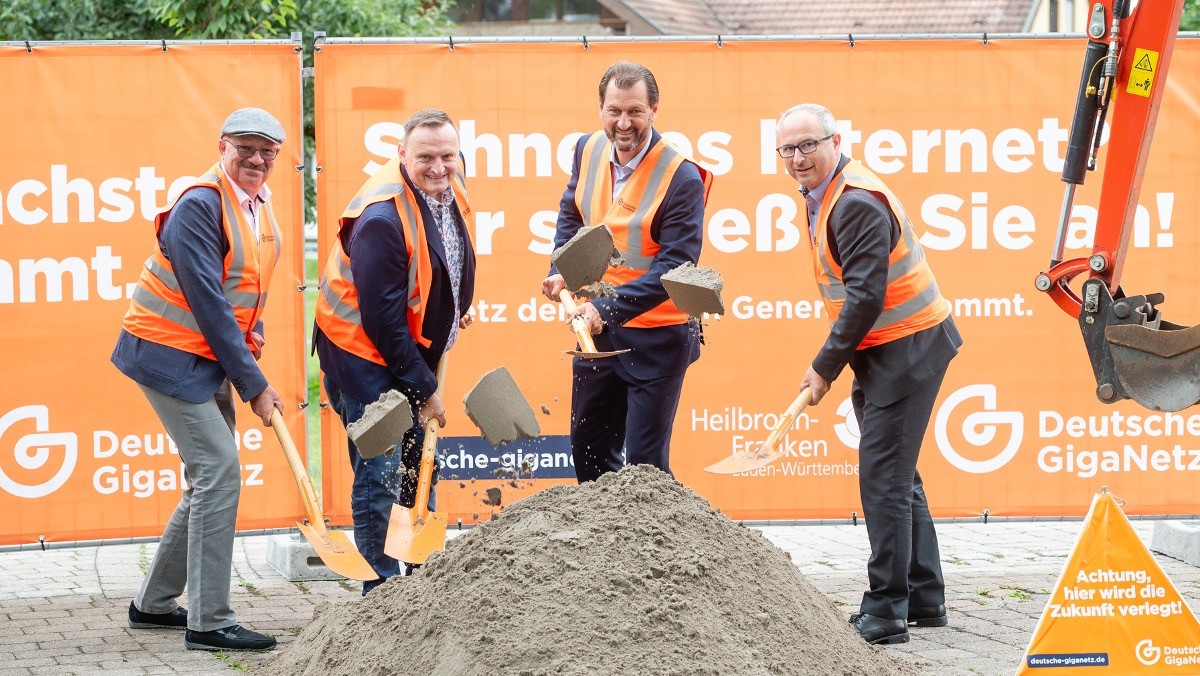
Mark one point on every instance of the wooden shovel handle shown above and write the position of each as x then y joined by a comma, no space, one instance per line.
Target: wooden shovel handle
578,325
429,450
299,472
785,422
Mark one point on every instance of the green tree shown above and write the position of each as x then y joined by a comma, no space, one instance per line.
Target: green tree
1191,16
225,19
80,20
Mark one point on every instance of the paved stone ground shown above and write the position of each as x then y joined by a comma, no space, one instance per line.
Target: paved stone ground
63,611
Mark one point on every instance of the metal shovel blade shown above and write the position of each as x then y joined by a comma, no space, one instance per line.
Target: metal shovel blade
767,452
412,539
338,553
745,461
594,355
1159,369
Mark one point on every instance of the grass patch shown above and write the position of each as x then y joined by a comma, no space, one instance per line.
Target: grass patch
143,559
251,589
230,661
313,369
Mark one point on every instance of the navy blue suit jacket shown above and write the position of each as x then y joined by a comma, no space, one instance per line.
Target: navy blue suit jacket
194,240
678,227
379,262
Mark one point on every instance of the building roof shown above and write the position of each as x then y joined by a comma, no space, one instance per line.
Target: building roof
826,17
672,17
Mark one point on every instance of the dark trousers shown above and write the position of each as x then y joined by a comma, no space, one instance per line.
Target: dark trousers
905,565
379,483
612,411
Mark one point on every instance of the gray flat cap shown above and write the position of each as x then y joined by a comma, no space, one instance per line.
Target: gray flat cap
254,121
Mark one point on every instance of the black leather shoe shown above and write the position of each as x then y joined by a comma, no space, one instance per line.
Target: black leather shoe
927,616
176,619
236,637
879,630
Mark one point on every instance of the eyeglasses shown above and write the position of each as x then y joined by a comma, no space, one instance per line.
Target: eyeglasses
805,148
246,152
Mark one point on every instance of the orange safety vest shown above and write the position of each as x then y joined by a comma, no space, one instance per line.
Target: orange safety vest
337,308
159,312
912,302
631,216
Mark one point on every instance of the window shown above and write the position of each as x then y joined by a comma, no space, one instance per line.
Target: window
465,11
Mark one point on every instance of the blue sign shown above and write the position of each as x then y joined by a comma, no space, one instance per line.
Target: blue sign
474,458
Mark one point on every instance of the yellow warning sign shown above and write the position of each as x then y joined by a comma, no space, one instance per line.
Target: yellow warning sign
1141,76
1113,611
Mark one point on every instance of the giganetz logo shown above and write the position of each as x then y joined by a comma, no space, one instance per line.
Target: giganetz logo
980,428
32,452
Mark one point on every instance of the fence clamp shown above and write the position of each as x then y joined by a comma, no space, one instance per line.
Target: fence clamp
28,48
854,518
851,38
585,44
985,40
719,43
985,516
451,42
164,45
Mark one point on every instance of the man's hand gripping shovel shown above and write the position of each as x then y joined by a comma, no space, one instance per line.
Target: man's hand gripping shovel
333,546
587,345
769,451
416,532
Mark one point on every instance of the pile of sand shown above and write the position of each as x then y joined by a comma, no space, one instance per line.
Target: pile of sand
631,574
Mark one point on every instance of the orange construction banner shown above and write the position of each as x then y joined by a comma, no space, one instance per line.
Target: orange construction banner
97,138
969,134
1113,610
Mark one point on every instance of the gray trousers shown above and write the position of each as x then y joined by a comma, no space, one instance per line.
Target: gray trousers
196,549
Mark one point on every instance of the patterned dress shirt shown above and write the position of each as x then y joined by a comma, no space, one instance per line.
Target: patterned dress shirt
442,208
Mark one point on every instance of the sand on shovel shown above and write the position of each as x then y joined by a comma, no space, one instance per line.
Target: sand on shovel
583,260
695,289
382,425
631,574
497,407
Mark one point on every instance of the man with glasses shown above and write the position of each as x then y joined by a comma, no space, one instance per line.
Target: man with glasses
892,326
193,329
629,178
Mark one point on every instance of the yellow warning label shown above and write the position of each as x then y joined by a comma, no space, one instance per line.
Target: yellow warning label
1141,76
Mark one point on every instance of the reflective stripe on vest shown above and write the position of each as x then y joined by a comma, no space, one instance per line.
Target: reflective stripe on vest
631,215
912,301
160,313
337,310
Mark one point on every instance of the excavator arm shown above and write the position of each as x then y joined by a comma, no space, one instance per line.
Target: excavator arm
1134,353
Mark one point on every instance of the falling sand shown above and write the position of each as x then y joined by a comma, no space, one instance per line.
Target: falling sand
631,574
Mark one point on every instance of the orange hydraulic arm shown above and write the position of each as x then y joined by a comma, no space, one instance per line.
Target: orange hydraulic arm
1134,353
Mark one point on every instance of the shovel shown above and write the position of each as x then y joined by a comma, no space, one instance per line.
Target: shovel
416,532
333,546
581,332
768,452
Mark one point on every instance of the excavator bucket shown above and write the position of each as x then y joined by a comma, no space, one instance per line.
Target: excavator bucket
1135,353
1158,368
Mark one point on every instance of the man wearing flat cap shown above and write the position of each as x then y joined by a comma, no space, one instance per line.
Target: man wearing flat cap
192,334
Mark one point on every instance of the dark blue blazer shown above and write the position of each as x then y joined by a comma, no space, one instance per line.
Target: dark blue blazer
194,240
379,262
678,227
